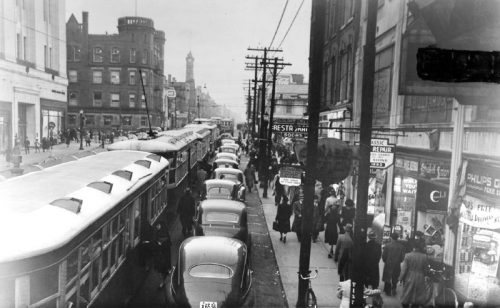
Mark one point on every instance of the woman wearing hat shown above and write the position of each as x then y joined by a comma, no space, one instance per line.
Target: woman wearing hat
373,253
347,215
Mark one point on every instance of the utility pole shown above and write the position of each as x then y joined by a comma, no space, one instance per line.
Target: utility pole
249,106
365,136
254,120
198,106
315,76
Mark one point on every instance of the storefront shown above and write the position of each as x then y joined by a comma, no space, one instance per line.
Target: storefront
420,197
52,113
477,271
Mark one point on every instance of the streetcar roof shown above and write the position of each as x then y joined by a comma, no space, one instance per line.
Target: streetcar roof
30,221
159,145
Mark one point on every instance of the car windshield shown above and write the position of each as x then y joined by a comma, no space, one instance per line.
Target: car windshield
229,150
211,271
218,193
230,177
212,217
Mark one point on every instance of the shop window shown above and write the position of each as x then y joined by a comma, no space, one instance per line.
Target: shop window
131,77
97,76
115,100
114,76
97,54
97,99
73,76
131,100
115,55
107,120
73,98
132,55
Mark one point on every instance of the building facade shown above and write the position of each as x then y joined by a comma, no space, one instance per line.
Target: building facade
106,73
33,87
445,177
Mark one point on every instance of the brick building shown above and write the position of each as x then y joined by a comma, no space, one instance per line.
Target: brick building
104,78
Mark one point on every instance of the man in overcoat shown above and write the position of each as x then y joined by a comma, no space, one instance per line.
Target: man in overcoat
186,209
392,255
343,253
373,254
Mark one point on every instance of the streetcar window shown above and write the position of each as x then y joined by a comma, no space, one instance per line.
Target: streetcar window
72,265
154,157
144,163
105,187
72,204
125,174
43,284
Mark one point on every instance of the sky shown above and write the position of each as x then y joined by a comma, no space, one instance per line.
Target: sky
218,33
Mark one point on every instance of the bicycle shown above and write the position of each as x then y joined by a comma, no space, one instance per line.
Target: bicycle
442,296
311,301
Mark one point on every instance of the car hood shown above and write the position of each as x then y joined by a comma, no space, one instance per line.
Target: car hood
217,291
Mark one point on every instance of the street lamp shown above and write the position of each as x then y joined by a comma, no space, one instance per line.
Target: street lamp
81,129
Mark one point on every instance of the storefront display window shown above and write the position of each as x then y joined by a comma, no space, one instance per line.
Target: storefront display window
51,123
405,193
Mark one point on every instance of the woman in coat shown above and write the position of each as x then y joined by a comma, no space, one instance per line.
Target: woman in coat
250,176
163,257
332,218
317,226
297,220
283,218
412,276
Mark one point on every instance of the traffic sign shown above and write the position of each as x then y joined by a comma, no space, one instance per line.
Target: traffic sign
291,128
171,93
382,153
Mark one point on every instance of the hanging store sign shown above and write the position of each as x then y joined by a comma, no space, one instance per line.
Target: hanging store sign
483,180
432,197
478,213
290,175
290,128
382,153
433,169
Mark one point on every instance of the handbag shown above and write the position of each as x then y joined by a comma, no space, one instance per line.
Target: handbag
275,226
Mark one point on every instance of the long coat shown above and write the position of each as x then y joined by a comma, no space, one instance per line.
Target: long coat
373,252
332,221
283,217
297,220
392,255
186,209
250,176
343,254
412,275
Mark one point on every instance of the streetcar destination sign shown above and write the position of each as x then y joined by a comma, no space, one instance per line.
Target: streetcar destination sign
382,153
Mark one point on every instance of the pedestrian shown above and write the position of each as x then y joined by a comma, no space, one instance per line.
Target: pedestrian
87,139
68,138
201,175
26,145
186,210
37,145
147,245
297,218
412,277
373,252
279,189
163,256
343,253
250,176
283,215
332,218
347,216
392,255
317,222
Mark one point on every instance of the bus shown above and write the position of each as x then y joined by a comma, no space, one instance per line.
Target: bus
70,233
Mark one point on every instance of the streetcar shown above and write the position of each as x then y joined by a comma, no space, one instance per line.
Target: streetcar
70,233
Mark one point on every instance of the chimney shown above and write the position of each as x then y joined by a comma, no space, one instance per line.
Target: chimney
85,23
169,79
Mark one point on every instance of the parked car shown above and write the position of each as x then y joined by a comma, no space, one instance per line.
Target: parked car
227,141
235,146
211,271
228,148
227,155
222,189
232,174
222,218
225,163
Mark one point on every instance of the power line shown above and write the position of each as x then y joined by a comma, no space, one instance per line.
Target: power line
291,24
279,23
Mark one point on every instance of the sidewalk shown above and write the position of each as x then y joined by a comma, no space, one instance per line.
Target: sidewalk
287,256
58,154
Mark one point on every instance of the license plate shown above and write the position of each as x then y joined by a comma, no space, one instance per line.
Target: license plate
208,304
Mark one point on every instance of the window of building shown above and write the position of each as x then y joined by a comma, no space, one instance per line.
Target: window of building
73,98
427,109
131,100
45,56
115,55
97,76
19,46
97,54
143,101
131,77
333,82
114,76
344,74
144,121
288,109
50,57
144,78
97,99
73,76
115,100
108,120
132,55
145,55
72,119
126,120
25,48
382,86
72,53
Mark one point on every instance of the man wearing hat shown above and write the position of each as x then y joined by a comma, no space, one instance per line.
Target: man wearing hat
373,253
186,209
347,215
392,255
343,253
